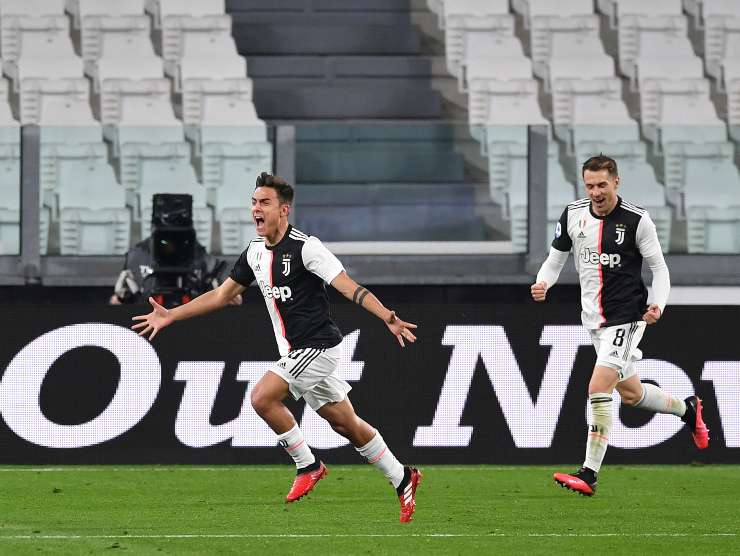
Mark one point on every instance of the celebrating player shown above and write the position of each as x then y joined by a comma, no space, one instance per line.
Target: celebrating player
291,269
609,238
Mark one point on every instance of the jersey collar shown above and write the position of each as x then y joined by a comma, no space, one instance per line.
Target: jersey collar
282,239
598,217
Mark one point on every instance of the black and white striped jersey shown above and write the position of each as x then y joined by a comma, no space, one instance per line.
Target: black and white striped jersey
292,277
608,252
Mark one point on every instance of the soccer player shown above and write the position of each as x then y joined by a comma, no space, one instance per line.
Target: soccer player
609,238
291,269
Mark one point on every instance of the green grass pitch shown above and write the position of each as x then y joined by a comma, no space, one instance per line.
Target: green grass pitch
460,510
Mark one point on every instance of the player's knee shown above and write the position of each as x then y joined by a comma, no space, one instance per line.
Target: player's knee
630,398
260,402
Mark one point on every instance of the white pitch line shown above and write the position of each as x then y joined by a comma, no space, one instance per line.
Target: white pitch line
358,535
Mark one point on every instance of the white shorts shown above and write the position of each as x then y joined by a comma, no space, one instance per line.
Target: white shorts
311,374
616,347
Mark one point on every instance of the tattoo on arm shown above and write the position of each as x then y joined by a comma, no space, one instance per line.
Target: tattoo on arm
359,295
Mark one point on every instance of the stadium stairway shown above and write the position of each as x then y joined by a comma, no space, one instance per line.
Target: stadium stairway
357,80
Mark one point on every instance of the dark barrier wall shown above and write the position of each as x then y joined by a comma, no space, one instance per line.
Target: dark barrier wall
485,383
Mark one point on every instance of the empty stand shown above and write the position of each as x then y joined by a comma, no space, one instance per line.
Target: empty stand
93,217
713,207
465,19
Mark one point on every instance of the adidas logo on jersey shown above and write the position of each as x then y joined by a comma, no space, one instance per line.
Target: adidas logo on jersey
614,353
581,235
605,259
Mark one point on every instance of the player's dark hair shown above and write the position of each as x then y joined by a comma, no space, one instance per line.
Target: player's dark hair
601,162
283,188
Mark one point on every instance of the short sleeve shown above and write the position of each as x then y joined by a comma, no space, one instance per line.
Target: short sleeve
562,240
242,273
320,261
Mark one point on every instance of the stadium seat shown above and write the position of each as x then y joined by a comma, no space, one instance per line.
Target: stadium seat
145,119
572,76
174,176
617,9
494,103
127,66
161,9
471,9
678,155
665,56
462,19
600,119
174,19
31,8
572,25
229,134
492,56
195,61
125,31
197,78
41,62
712,211
721,22
548,21
10,190
79,9
637,17
93,218
689,129
675,102
232,203
67,130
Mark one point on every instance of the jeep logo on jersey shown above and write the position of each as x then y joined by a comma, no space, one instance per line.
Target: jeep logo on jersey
621,229
286,264
283,293
606,259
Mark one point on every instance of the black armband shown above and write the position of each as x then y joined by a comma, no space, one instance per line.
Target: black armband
359,295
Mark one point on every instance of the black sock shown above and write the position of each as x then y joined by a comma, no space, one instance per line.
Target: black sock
405,481
588,475
689,417
313,467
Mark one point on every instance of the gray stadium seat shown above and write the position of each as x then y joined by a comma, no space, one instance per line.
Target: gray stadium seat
713,207
93,218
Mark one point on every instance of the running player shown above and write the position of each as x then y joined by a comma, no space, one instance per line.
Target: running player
291,269
609,238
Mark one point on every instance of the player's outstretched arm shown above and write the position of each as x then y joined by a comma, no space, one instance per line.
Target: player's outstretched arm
160,317
364,298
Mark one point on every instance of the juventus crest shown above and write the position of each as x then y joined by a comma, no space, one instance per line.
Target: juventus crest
621,229
286,264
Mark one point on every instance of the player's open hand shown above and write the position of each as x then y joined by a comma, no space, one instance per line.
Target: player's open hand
401,329
539,291
154,321
652,315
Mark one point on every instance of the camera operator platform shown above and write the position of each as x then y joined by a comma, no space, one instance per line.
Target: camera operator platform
170,265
